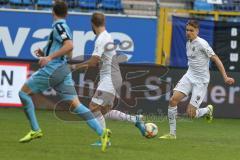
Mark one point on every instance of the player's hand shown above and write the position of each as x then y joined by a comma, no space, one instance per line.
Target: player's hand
229,80
43,61
72,66
39,53
78,66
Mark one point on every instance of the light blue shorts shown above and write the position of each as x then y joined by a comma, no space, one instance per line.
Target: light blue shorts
64,85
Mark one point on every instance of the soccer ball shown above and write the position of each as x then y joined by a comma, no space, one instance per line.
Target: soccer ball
151,130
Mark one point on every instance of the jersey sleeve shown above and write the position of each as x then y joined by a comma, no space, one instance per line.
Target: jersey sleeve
98,49
62,33
207,49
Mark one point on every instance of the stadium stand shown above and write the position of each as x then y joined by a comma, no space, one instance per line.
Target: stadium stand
46,3
88,4
112,4
203,5
4,1
17,2
21,2
140,7
227,5
127,7
176,4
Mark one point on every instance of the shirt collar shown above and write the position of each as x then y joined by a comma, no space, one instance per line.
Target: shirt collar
101,34
194,40
58,21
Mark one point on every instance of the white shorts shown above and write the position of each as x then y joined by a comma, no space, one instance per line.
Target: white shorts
198,90
105,93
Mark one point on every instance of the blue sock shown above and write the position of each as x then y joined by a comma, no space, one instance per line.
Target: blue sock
85,113
29,110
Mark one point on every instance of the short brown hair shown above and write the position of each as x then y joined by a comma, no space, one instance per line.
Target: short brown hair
193,23
60,8
98,19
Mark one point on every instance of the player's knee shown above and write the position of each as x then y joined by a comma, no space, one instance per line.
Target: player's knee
23,96
74,103
105,109
25,99
93,107
173,101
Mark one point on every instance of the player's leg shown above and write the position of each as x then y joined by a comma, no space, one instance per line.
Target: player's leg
36,82
115,90
68,93
172,110
172,113
198,94
182,89
28,106
111,90
98,112
85,113
195,112
100,104
121,116
191,111
81,110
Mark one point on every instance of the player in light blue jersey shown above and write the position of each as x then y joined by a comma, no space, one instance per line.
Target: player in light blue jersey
53,59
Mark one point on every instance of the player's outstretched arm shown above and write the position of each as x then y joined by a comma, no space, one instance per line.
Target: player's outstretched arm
65,49
218,62
92,62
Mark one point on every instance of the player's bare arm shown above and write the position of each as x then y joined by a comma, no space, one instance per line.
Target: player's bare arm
92,62
217,61
66,49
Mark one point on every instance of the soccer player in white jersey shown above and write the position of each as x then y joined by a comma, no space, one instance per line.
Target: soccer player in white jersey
110,77
196,80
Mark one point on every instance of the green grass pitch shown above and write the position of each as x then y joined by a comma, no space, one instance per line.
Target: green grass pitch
197,140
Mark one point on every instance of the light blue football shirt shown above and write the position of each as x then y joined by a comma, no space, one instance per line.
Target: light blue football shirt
59,34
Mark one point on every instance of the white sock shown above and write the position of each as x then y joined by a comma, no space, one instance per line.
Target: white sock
201,112
172,113
118,115
100,118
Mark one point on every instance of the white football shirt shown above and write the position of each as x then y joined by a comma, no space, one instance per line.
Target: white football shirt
110,75
198,54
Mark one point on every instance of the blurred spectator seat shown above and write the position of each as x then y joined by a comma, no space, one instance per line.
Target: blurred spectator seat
112,5
140,7
180,4
203,5
49,3
88,4
21,2
16,2
4,1
46,3
72,3
228,5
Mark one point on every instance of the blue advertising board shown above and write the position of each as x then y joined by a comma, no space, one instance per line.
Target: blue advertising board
23,32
